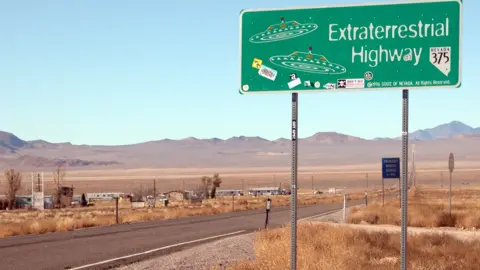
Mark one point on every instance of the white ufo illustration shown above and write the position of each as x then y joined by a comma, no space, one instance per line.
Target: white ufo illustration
308,62
282,31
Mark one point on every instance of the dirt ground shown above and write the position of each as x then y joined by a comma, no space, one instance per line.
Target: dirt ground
317,178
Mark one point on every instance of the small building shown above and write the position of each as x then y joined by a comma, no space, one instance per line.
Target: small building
23,201
177,195
264,191
228,192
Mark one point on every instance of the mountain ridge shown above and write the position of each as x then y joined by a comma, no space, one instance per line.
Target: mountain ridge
322,147
447,130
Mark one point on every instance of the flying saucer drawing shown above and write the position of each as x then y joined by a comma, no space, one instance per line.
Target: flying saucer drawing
308,62
282,31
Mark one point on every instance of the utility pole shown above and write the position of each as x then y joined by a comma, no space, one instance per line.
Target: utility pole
366,176
154,191
441,179
414,180
183,191
243,186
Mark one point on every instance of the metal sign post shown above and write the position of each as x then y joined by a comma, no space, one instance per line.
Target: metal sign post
383,192
293,196
403,237
451,166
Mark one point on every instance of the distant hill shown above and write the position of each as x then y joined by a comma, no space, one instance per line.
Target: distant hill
10,142
448,130
238,151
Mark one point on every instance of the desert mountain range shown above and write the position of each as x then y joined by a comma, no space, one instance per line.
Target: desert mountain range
322,148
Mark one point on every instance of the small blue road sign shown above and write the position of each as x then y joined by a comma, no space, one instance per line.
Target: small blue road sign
390,168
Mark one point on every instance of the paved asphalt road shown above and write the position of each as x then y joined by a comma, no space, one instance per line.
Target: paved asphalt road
64,250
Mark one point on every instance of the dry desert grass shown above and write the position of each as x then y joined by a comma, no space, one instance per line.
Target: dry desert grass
325,247
21,222
426,208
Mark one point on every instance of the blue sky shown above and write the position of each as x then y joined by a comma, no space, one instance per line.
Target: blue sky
121,72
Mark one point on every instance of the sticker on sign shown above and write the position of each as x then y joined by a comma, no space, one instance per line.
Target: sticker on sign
267,72
351,83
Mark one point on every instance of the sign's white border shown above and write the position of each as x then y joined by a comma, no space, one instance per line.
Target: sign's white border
460,2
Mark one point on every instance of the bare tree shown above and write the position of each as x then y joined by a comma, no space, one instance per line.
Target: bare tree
140,194
207,182
216,181
14,183
58,177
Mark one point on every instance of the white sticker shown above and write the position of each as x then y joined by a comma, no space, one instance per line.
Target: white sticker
440,58
294,83
329,86
351,83
317,84
267,72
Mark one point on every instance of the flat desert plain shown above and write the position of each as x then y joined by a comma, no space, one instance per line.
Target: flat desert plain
352,177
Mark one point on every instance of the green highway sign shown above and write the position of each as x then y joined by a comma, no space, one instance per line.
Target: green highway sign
408,45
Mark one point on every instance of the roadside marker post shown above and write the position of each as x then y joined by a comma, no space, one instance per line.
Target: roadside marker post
116,210
267,210
345,208
408,45
451,166
366,199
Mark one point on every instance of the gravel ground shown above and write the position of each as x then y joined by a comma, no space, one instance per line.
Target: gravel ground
220,254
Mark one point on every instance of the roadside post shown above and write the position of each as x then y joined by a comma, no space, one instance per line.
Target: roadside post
344,207
233,202
346,48
154,191
366,198
116,209
451,166
383,192
267,210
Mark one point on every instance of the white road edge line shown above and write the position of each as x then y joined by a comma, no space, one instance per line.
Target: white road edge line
322,214
155,249
181,244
